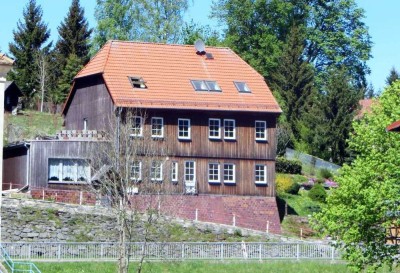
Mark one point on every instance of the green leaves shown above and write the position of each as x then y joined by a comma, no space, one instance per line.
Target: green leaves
357,212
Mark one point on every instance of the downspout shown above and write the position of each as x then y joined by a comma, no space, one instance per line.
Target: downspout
27,146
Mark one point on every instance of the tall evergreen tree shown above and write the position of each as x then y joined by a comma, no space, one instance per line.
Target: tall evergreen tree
74,34
144,20
29,38
393,76
72,48
293,80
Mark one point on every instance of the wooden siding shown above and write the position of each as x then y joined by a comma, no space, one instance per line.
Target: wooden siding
244,177
91,101
15,167
42,150
243,147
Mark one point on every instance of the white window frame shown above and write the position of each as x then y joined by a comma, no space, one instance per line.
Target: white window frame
233,180
134,129
139,177
212,171
212,130
257,175
242,87
260,130
184,131
60,170
188,168
156,165
154,123
233,130
174,171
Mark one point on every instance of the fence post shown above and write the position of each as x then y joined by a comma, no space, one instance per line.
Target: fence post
59,251
43,194
29,252
80,197
222,251
101,251
196,215
259,250
234,220
333,253
183,251
267,227
298,252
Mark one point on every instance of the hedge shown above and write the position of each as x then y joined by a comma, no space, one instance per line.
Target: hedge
284,165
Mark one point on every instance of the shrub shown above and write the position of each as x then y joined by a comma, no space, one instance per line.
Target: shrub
317,193
283,182
284,165
325,173
299,179
294,189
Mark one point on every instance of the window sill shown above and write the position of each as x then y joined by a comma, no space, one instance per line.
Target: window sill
215,138
261,140
230,139
67,182
184,139
230,183
214,182
261,184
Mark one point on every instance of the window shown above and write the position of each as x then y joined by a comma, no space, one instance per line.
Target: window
261,130
213,173
261,174
157,127
174,172
137,82
137,126
68,170
183,128
190,171
229,173
201,85
214,128
156,171
136,171
229,129
242,87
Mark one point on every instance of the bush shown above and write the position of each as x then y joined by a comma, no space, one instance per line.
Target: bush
325,173
285,183
317,193
284,165
299,179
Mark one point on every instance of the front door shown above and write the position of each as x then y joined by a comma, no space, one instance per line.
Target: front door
190,177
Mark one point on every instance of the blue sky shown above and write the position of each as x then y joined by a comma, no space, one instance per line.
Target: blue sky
381,18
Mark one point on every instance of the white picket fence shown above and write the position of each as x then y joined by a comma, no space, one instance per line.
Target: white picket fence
172,251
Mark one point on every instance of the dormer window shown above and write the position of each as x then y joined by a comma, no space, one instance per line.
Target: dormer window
242,87
202,85
137,82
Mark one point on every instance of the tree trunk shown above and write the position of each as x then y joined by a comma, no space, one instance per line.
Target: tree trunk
123,255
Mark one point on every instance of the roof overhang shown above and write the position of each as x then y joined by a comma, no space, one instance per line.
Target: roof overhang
394,127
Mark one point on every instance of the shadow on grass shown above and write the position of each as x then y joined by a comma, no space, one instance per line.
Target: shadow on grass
281,208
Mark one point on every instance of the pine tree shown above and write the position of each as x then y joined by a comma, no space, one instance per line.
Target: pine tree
74,34
72,67
293,81
393,76
29,38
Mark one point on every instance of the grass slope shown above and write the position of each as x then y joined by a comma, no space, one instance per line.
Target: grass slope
199,267
29,124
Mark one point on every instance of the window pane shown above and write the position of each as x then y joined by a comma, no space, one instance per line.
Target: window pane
213,172
174,171
229,173
242,87
261,130
184,128
136,171
260,174
137,126
156,171
214,128
69,170
213,86
55,169
157,125
229,129
189,171
199,85
83,170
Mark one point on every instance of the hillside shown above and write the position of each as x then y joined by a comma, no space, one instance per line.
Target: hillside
30,124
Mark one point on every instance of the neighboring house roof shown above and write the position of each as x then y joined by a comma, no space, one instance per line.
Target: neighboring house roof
394,127
167,71
365,107
12,86
5,60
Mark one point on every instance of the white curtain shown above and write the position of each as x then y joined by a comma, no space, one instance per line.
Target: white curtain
54,169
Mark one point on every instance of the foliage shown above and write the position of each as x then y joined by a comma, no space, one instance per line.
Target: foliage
284,165
325,173
393,76
357,212
317,193
285,183
192,32
301,204
144,20
29,38
71,68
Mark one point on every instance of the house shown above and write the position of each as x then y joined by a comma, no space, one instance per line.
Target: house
394,127
215,112
11,97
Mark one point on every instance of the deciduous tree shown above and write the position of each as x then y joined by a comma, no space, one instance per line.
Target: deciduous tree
366,203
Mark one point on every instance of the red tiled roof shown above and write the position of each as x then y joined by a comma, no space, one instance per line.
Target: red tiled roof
167,71
394,127
365,107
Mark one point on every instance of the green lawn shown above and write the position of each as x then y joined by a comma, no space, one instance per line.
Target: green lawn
200,267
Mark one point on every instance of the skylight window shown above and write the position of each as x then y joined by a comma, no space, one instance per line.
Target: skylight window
242,87
137,82
201,85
